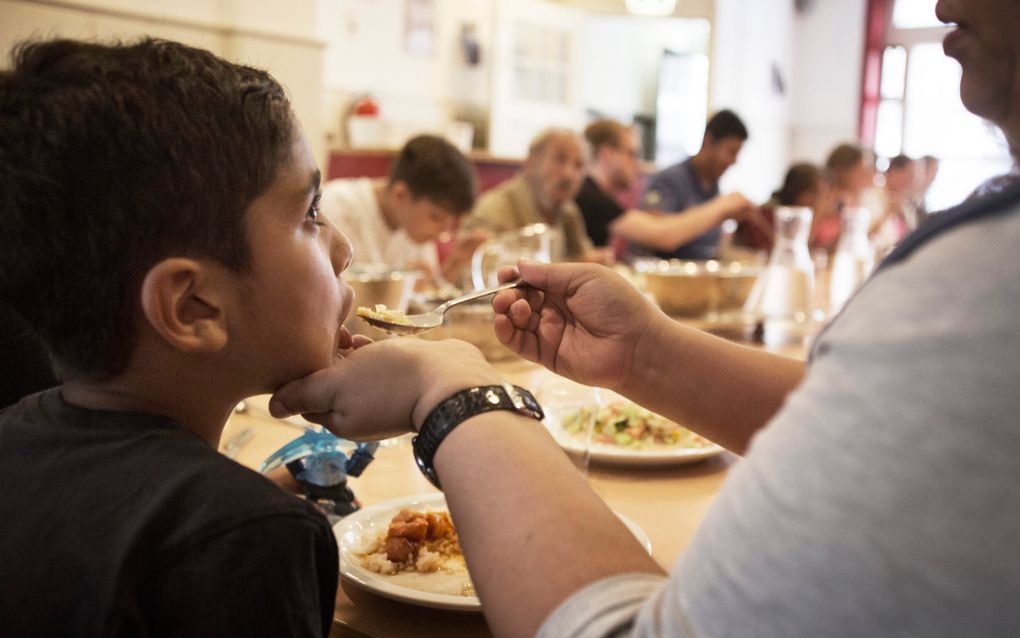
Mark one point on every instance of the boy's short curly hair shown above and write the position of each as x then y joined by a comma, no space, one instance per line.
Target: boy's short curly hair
435,170
112,158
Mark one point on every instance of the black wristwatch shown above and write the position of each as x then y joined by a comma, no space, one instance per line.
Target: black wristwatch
458,408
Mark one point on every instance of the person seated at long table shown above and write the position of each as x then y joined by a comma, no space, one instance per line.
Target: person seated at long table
851,173
543,193
396,221
877,494
614,170
690,191
162,237
803,185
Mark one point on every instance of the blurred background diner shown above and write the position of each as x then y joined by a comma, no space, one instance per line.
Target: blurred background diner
593,123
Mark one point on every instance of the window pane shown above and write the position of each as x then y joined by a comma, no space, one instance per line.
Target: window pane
914,14
889,128
894,72
681,106
938,124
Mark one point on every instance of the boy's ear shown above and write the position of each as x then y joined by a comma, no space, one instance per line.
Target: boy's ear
183,301
401,191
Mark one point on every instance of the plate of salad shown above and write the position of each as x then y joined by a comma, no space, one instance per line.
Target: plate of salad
624,433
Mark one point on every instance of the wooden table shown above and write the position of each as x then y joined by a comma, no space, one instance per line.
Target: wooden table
668,504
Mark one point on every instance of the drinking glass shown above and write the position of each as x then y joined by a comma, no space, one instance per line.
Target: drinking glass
783,295
536,242
570,413
854,259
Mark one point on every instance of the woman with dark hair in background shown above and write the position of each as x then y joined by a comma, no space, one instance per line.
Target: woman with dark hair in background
805,184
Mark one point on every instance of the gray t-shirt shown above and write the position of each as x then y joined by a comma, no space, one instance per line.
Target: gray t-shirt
884,498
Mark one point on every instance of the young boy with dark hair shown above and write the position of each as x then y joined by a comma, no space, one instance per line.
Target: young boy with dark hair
396,221
161,235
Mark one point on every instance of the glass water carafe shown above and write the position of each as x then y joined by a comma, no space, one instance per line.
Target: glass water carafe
854,258
785,290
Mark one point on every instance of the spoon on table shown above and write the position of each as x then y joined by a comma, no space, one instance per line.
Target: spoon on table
415,324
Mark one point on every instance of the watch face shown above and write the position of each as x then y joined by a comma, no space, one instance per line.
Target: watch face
525,402
515,396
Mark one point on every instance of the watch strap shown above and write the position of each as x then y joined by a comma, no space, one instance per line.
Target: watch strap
458,408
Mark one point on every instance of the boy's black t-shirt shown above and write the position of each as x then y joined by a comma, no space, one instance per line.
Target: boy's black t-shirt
122,524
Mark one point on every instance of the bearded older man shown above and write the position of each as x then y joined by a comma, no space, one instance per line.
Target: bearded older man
543,193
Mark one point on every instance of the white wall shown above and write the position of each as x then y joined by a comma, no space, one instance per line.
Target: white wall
622,54
535,73
819,54
684,8
366,54
829,40
750,37
271,35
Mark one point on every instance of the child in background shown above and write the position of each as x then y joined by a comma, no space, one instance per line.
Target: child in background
161,235
397,221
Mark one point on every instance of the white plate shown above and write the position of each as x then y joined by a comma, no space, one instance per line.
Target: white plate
647,457
561,398
366,524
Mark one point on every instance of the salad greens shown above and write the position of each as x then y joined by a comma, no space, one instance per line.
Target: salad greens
628,425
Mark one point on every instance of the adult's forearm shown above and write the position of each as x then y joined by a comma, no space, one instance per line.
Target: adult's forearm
722,390
666,232
532,530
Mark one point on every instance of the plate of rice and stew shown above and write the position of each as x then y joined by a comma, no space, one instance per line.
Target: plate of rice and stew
408,550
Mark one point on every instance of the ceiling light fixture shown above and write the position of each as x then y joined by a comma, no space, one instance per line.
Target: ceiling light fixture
651,7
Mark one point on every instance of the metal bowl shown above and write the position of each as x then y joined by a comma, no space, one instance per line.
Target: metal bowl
378,284
697,288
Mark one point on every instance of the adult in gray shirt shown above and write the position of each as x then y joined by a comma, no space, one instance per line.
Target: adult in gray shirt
878,493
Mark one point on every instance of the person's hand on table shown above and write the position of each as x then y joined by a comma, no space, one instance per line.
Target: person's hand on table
580,321
384,389
736,206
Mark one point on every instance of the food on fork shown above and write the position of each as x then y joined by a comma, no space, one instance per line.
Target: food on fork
382,313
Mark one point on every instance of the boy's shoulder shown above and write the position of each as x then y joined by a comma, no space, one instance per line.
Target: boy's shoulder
150,521
161,477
